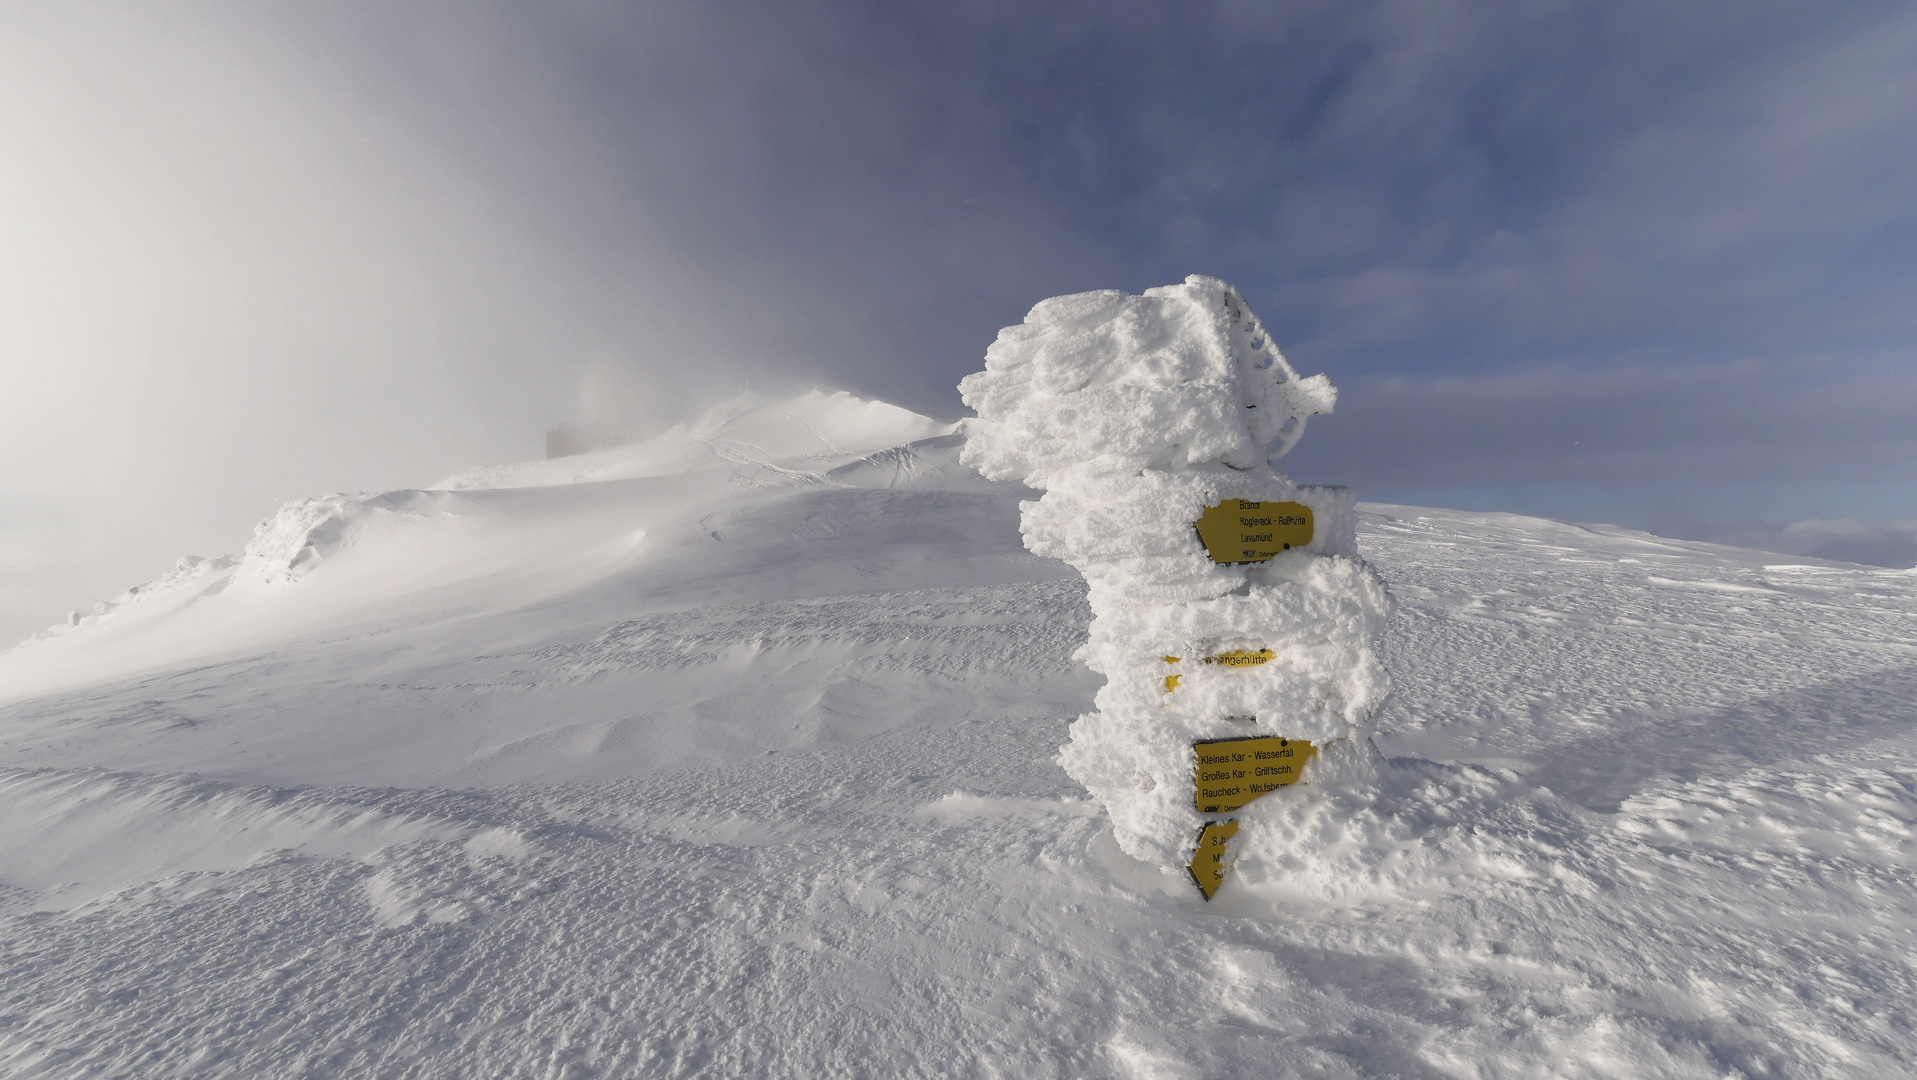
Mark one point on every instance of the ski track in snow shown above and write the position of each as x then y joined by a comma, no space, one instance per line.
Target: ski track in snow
1649,812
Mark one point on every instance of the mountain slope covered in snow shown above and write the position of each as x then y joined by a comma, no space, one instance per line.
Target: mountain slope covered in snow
732,753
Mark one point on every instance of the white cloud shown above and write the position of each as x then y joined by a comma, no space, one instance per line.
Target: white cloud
1844,539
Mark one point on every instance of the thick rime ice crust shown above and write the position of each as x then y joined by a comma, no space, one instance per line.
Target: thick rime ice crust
1133,414
1105,382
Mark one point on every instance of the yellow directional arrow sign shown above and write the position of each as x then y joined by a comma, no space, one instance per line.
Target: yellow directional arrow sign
1246,530
1232,772
1238,659
1208,865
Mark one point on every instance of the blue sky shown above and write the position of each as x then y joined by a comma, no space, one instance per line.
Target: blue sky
1641,263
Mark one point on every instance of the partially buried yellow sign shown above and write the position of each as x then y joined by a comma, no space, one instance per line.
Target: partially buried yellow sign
1208,863
1246,530
1232,772
1237,659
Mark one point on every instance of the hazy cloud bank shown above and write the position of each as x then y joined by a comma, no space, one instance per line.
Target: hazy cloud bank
249,257
1629,260
1847,539
1708,451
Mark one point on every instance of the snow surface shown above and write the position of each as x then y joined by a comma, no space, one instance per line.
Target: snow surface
748,769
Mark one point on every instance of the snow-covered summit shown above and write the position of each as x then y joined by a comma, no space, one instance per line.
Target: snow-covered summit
498,537
750,429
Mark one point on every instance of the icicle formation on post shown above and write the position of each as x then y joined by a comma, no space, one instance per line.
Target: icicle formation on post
1134,414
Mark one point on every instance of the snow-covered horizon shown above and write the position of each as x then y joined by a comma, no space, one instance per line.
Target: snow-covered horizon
733,752
749,427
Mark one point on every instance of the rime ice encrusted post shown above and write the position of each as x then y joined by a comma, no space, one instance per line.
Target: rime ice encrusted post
1134,414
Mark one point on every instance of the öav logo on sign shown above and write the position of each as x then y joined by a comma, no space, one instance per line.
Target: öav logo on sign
1245,530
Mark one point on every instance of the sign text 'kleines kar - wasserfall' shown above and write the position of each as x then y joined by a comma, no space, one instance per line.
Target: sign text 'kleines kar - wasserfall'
1232,772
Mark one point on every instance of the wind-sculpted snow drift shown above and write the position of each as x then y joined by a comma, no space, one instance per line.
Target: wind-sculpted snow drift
1133,414
733,753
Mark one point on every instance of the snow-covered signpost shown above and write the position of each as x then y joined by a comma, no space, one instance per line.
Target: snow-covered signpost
1231,616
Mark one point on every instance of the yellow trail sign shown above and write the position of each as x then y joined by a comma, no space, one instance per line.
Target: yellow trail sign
1208,865
1236,659
1232,772
1245,530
